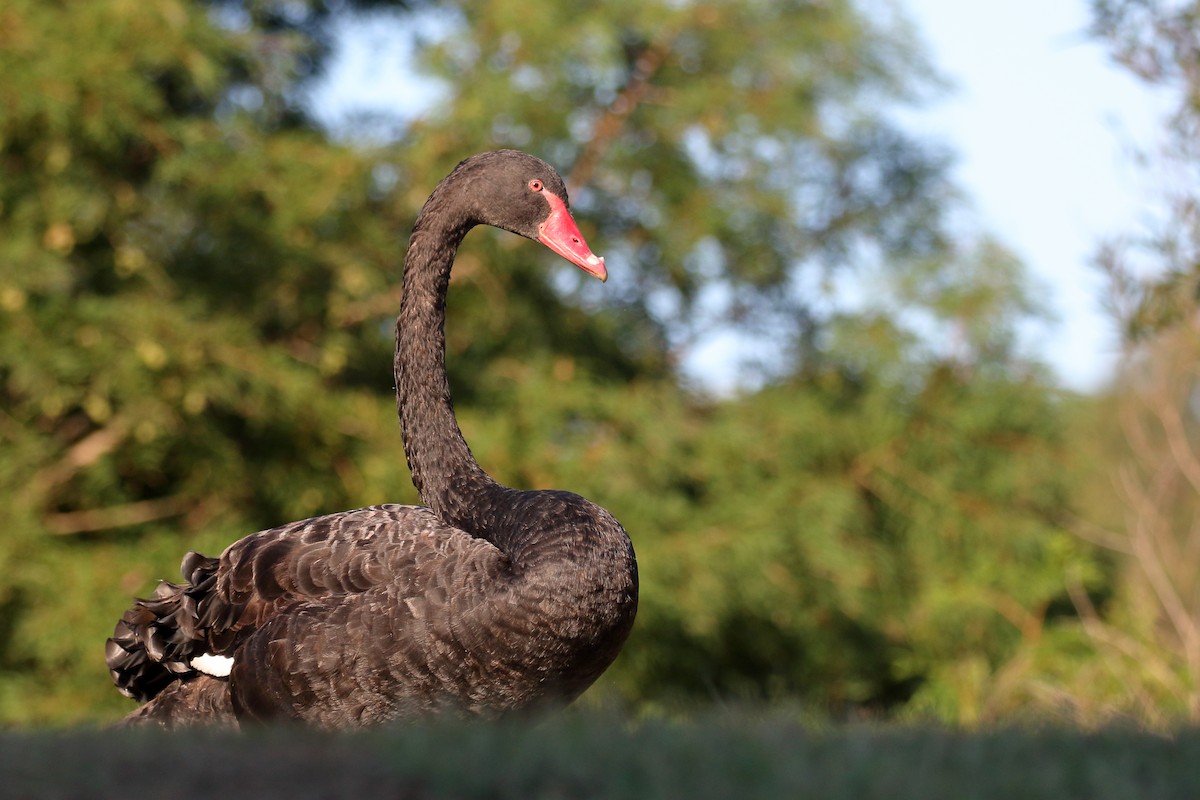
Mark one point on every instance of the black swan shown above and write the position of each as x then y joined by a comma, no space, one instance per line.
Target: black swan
487,601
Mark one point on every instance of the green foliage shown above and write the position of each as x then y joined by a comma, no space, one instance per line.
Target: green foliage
1155,271
196,288
181,292
726,145
1137,652
842,539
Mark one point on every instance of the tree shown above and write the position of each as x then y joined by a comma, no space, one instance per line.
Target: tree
1137,651
1150,636
182,282
885,531
198,286
727,153
1156,273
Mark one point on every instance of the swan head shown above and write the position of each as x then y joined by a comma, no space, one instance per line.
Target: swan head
521,193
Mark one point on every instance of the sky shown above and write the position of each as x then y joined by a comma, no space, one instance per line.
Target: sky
1045,128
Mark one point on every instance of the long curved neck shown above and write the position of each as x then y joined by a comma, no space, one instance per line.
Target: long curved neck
445,473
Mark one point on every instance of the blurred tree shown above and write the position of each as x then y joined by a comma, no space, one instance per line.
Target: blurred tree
1137,652
887,527
1148,636
168,270
1156,272
197,286
728,154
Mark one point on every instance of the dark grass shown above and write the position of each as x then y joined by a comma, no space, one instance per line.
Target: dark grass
590,756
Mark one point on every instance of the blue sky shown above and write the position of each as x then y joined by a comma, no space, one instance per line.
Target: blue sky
1045,129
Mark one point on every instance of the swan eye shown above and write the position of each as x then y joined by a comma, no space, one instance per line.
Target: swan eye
535,185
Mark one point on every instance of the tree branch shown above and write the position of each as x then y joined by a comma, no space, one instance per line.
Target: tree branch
631,96
73,522
81,455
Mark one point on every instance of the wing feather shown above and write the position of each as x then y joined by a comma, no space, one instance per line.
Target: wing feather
315,570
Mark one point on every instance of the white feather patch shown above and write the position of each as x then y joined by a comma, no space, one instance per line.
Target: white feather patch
217,666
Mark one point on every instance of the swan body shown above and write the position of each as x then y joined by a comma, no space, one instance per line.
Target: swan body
486,600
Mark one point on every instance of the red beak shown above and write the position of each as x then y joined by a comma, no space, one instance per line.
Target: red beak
560,233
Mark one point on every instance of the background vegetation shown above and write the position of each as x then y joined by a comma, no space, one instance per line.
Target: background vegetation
584,756
899,514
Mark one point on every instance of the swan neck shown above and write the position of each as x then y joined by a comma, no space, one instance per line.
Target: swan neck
444,471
